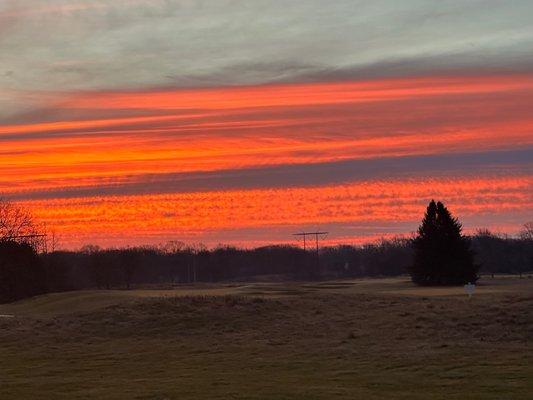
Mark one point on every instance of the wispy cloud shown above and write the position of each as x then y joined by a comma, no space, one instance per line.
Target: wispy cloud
101,44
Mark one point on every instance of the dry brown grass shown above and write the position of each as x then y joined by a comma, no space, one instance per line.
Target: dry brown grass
341,340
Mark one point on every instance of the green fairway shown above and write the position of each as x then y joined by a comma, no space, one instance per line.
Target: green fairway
371,339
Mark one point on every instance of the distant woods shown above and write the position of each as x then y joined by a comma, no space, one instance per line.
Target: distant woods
29,264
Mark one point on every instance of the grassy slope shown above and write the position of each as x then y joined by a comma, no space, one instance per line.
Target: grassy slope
373,339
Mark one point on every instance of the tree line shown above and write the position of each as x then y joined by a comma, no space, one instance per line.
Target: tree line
26,269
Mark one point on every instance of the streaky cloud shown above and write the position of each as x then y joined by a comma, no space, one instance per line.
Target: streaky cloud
306,175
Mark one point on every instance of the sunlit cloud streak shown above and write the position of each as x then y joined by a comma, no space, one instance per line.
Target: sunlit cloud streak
487,164
181,132
197,216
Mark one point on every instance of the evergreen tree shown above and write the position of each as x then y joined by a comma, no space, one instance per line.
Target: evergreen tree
442,255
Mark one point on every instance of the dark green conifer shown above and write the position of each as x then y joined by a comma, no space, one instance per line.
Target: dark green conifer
442,255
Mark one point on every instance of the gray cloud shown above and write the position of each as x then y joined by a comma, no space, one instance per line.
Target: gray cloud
101,44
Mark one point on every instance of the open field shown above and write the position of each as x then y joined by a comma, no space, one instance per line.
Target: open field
369,338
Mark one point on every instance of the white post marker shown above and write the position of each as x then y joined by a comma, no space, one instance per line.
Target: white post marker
469,289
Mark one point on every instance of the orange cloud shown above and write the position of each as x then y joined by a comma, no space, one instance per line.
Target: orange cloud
190,216
302,94
115,139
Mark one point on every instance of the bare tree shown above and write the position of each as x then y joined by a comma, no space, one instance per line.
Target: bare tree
52,241
47,238
172,247
527,231
14,221
17,224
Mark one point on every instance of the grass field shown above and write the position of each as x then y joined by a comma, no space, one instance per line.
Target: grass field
368,339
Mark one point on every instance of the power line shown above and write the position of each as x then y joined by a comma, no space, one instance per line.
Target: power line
23,237
316,234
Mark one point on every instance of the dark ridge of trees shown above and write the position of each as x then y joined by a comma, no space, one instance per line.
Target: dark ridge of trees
442,254
93,267
500,254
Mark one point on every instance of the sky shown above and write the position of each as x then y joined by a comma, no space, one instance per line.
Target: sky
128,122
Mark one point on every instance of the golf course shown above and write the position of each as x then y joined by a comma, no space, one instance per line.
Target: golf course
368,338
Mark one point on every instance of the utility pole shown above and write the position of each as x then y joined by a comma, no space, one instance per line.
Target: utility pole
316,235
317,259
191,269
194,267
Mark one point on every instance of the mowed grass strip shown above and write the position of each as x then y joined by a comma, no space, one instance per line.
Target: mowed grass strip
315,345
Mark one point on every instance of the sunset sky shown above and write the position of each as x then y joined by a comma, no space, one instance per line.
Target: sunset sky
126,122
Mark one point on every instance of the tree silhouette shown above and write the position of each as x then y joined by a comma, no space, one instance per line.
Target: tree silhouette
21,271
527,231
18,225
442,255
15,222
